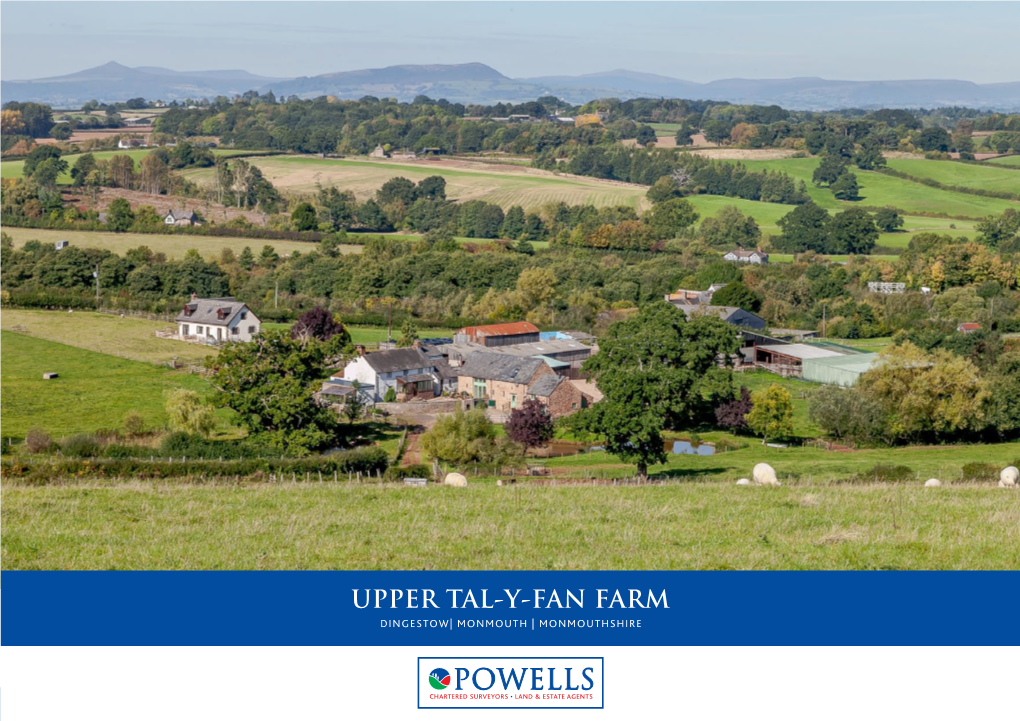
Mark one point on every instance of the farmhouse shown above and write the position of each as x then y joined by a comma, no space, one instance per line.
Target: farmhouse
967,328
216,320
501,381
181,217
694,297
755,257
409,372
498,335
378,152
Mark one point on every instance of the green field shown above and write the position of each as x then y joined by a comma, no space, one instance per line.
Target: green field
1010,160
681,525
963,175
525,187
175,246
94,390
371,335
15,168
884,190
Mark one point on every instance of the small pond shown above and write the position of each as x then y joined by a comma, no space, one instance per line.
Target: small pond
689,448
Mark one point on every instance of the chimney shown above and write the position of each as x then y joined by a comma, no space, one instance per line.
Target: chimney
194,297
360,349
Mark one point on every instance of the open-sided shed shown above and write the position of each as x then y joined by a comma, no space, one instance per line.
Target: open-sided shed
840,370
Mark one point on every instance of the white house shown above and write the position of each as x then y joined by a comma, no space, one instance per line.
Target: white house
181,217
216,320
740,255
410,372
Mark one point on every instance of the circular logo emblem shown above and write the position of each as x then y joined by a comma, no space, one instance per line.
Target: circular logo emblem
439,679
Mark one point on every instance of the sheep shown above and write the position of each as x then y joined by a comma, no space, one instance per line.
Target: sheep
932,483
1009,477
764,475
455,479
743,482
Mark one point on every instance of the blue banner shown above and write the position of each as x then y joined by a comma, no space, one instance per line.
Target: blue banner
532,608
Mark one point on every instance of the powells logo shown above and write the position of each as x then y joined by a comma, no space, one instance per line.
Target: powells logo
439,678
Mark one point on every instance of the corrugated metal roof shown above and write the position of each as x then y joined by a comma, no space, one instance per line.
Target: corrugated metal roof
500,329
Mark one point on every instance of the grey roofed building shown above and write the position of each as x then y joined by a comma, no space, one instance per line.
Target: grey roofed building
211,311
500,367
398,359
735,316
545,385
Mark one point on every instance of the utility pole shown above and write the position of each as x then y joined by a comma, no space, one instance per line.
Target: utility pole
276,295
95,274
824,306
389,327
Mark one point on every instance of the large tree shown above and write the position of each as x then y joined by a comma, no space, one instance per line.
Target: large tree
852,231
530,424
656,370
805,228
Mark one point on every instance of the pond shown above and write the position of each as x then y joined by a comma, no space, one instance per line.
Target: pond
689,448
570,448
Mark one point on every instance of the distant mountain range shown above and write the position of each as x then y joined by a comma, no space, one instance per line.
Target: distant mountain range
478,83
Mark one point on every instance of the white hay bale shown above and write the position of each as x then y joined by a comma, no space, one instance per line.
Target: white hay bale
764,475
1009,477
932,483
455,479
743,482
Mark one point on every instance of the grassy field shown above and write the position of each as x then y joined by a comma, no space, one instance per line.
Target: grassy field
799,390
881,190
683,525
370,335
15,168
130,338
525,187
1011,160
964,175
175,246
94,390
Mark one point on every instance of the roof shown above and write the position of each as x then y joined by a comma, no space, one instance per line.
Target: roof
398,359
335,389
741,253
500,329
500,367
859,363
180,213
552,362
969,326
725,312
544,347
544,386
415,378
211,311
801,351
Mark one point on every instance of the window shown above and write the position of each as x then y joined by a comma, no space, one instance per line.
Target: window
198,330
513,400
185,329
244,314
234,330
251,330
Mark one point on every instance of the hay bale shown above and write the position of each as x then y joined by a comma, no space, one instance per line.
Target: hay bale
743,482
455,479
1009,477
932,483
764,475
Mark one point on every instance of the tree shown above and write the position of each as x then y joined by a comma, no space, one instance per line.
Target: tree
646,135
530,424
513,223
730,228
408,333
934,140
461,438
185,411
996,230
85,164
803,229
888,220
247,259
62,131
737,295
319,324
665,188
671,217
829,170
303,217
845,413
119,216
268,257
354,404
869,155
432,188
270,383
37,155
926,395
845,187
656,370
772,414
852,231
1002,408
732,415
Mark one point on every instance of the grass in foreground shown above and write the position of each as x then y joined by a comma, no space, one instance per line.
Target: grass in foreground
677,526
93,391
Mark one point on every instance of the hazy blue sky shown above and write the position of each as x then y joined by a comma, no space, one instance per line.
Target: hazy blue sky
689,40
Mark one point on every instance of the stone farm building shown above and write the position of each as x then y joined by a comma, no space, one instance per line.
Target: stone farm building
504,382
216,320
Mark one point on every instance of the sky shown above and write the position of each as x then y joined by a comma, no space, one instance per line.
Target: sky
697,41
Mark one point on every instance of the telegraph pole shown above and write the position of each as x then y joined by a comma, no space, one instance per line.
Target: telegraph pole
95,274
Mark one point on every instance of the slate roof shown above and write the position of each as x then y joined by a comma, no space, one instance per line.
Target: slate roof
725,312
180,214
398,359
544,386
211,311
500,367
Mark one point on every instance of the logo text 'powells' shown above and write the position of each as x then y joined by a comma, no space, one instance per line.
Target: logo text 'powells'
511,682
439,679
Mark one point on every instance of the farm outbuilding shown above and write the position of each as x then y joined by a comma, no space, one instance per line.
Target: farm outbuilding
839,370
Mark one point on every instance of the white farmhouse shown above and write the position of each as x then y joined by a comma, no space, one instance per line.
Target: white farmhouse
410,372
216,320
755,257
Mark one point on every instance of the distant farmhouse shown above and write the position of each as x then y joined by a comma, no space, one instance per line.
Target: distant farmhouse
755,257
181,218
216,320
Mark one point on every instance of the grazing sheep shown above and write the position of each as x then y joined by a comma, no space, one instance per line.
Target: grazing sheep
1009,477
743,482
455,479
764,475
499,483
932,483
